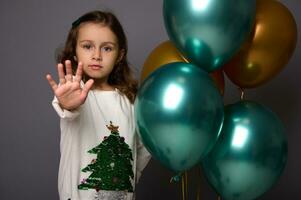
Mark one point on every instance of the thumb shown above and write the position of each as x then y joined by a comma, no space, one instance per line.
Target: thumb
88,85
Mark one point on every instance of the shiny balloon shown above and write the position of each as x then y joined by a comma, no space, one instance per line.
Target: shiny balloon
268,49
163,54
179,114
208,32
166,53
250,153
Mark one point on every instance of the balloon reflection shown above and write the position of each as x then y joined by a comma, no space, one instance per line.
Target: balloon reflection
240,136
199,5
173,96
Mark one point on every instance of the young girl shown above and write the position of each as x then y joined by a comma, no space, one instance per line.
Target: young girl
94,99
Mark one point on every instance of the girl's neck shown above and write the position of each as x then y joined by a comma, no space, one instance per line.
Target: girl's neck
101,85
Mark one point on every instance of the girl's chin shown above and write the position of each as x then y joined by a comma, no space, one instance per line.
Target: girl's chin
95,76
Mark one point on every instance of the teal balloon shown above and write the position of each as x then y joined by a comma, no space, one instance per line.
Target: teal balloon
179,114
208,32
250,153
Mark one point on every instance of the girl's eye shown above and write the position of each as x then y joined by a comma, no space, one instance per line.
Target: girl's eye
108,49
87,46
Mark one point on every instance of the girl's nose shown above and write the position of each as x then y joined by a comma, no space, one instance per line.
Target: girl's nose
97,54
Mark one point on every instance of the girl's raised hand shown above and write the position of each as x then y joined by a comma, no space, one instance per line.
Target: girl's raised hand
69,93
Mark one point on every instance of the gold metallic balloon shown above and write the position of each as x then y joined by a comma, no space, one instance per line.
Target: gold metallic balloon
268,49
166,53
163,54
218,77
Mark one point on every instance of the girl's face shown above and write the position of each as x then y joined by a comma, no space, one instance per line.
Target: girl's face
97,48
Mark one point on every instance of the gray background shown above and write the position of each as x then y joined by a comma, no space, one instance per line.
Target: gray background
30,32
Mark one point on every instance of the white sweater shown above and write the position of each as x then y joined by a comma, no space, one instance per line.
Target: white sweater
85,128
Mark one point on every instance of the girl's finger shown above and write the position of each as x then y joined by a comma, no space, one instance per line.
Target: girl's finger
69,76
79,72
87,88
51,82
60,69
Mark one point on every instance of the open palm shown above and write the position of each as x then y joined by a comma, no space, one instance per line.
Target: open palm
69,92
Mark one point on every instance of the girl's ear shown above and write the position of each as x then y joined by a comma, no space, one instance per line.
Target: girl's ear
120,56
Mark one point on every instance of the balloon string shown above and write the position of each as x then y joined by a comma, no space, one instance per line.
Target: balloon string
242,94
199,187
183,188
186,184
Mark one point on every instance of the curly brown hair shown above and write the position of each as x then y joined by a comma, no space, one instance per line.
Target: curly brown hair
121,76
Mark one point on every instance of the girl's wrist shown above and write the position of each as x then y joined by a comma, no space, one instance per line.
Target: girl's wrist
70,109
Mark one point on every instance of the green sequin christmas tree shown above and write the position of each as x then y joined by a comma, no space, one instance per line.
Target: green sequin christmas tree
112,169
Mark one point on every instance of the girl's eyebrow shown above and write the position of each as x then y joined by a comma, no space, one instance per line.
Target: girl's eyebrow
103,43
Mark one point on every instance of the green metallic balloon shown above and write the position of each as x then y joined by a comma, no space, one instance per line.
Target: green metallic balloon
250,153
179,114
208,32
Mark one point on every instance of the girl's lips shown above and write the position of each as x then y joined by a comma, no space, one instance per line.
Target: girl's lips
95,67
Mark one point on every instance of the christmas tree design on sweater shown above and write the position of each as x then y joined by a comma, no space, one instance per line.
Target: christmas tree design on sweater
112,169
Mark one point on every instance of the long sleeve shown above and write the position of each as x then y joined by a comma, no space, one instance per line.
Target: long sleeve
63,113
143,157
